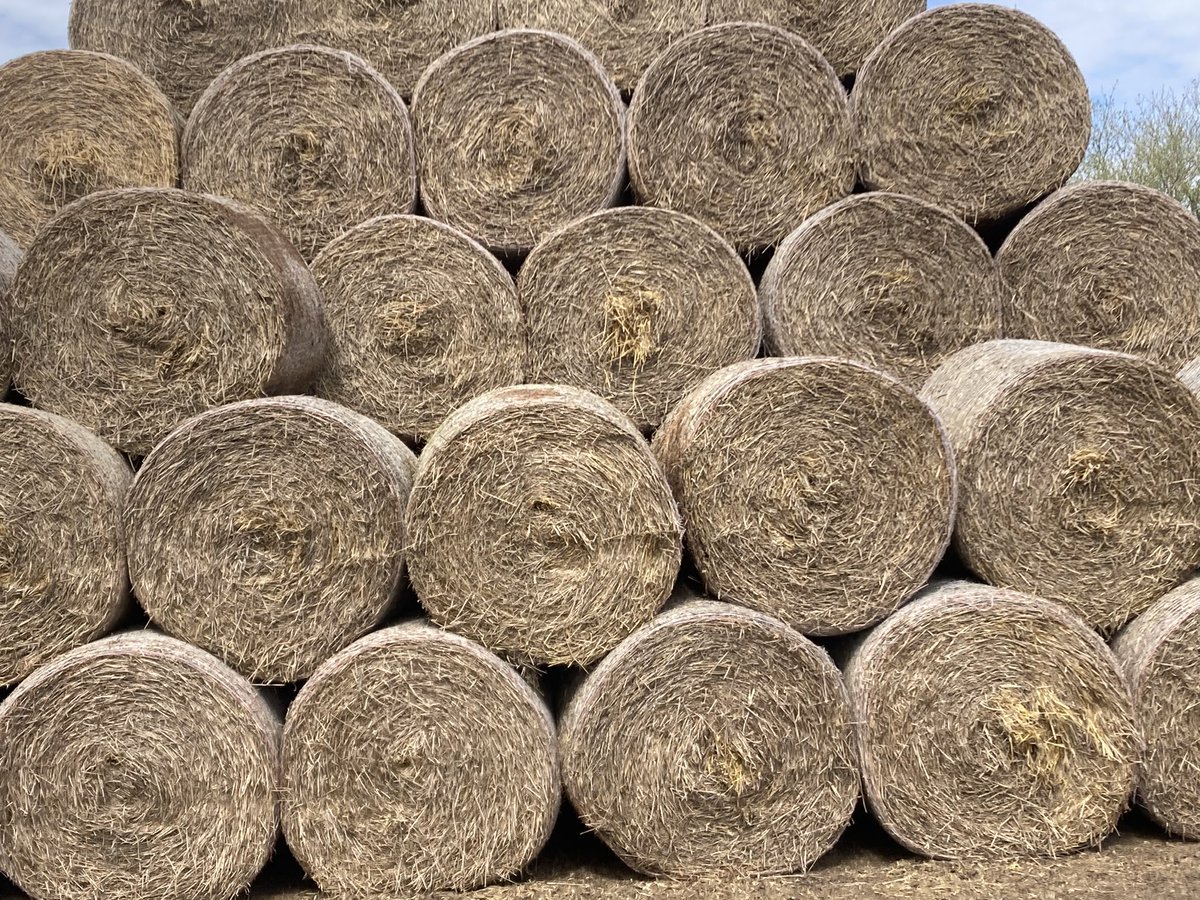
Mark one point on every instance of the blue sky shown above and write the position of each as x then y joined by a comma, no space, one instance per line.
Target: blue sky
1126,47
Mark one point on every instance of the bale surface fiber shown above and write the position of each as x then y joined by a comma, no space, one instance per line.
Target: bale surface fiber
715,740
518,133
137,768
10,258
182,44
1107,264
541,525
270,532
422,319
416,760
313,138
813,489
400,39
746,128
991,724
845,31
135,309
625,35
1079,473
977,108
75,123
637,305
1160,651
62,551
884,279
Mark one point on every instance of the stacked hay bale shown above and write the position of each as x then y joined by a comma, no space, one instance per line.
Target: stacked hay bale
10,258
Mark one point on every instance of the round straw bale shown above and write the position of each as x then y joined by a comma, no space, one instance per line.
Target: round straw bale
885,279
743,126
626,35
639,305
311,137
1080,473
416,760
991,724
715,740
977,108
270,532
10,258
518,132
422,319
400,39
62,551
137,308
75,123
1107,264
1160,652
845,31
541,525
137,768
813,489
181,44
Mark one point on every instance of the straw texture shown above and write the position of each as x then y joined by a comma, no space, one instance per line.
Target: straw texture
422,320
991,725
746,128
75,123
62,550
625,35
541,525
977,108
518,133
1107,264
1080,473
416,760
714,741
884,279
845,31
137,768
812,489
399,39
313,138
10,258
181,44
270,532
638,305
135,309
1160,651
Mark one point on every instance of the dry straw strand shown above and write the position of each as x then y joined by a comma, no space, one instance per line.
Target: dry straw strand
137,308
845,31
518,133
977,108
541,525
137,768
181,44
991,724
638,305
812,489
1160,652
1107,264
416,760
10,258
625,35
745,127
713,741
62,548
271,532
421,318
311,137
1080,473
75,123
885,279
400,38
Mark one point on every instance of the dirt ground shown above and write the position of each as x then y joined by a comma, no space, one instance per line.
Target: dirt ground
1138,863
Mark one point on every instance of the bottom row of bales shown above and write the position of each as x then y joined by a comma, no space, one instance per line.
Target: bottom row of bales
980,722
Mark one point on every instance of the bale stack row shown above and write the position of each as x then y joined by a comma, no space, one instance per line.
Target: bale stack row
482,247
